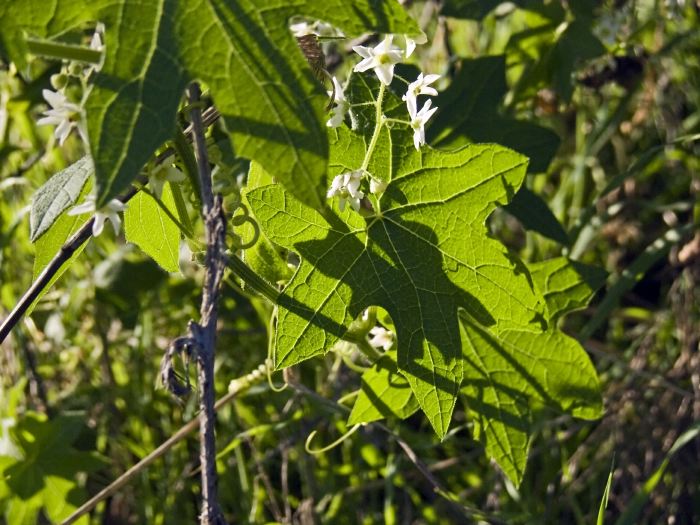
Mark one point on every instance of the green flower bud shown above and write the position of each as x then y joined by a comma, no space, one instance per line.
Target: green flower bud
59,81
75,69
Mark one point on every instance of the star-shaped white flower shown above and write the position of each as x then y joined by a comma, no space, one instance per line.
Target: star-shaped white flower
109,212
347,187
341,105
421,86
64,115
418,121
160,175
381,338
382,58
97,43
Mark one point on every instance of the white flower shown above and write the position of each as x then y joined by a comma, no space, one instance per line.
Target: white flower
421,86
109,212
162,173
97,43
381,58
318,28
347,187
377,186
381,338
64,115
418,121
341,105
410,46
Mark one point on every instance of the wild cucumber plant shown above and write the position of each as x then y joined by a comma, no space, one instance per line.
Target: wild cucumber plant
388,236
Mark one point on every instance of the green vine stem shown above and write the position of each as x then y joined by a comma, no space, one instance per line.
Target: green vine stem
257,283
379,122
49,48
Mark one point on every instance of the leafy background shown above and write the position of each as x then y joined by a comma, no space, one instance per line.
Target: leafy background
613,161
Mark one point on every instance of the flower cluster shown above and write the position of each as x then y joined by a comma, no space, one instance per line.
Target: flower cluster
381,338
382,59
65,114
421,86
347,187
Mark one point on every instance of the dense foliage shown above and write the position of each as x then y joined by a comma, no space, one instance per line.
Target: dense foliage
462,249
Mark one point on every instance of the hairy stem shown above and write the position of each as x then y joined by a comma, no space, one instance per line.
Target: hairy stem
378,123
74,242
204,334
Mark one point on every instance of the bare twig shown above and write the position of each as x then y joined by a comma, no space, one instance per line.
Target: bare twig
204,333
75,242
130,474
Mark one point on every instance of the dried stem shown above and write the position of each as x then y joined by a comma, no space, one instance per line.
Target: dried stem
75,242
204,333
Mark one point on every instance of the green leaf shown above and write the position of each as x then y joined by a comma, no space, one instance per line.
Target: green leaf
576,44
263,257
243,51
566,285
150,228
385,392
58,194
45,477
517,377
424,256
478,89
51,242
534,214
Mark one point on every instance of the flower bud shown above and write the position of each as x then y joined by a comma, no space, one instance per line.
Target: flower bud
75,69
59,81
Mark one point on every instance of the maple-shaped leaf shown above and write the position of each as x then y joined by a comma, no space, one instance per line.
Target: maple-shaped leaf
516,378
243,51
422,256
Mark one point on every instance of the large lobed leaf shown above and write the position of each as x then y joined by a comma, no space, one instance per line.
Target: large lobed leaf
424,257
242,50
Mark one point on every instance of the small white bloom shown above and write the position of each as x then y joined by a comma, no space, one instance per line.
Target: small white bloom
341,105
318,28
64,115
97,43
410,46
347,187
421,86
301,29
418,121
377,186
162,174
109,212
381,338
382,58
